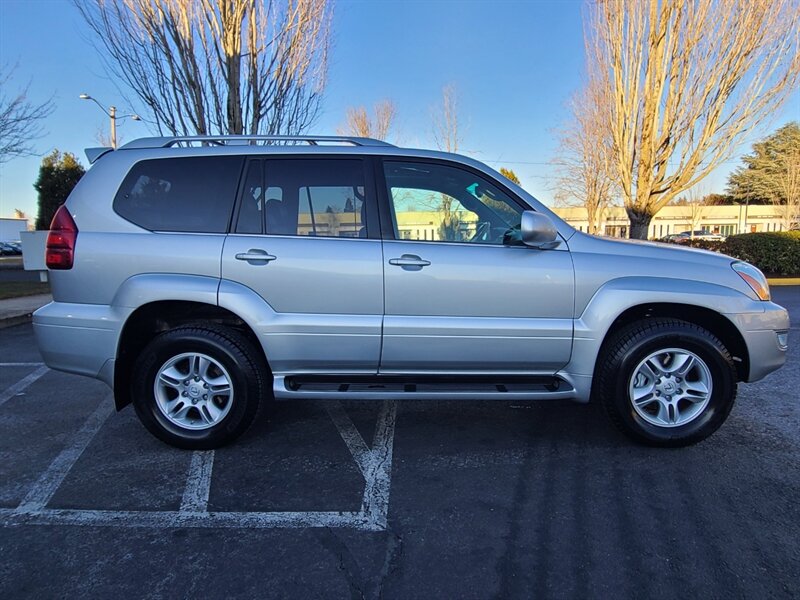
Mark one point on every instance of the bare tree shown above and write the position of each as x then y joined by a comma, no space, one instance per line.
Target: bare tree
446,130
584,164
789,181
359,123
447,136
694,200
217,66
20,120
688,80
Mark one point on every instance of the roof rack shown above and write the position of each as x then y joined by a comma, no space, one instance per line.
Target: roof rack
251,140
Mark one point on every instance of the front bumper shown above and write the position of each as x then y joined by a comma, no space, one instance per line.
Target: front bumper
763,333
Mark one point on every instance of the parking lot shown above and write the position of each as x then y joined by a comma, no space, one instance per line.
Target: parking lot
417,499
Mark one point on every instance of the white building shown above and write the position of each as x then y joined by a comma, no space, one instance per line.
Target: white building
10,228
725,219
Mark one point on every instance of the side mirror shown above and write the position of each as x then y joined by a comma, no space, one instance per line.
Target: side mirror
538,231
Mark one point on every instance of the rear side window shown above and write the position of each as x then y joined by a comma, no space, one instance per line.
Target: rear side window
193,195
314,197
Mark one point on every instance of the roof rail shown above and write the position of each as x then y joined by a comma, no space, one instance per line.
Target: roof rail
251,140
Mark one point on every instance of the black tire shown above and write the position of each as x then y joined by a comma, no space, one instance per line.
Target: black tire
243,363
630,346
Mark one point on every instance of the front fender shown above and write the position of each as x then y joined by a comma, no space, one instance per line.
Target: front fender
616,296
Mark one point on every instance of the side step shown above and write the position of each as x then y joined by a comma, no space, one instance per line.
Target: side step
440,387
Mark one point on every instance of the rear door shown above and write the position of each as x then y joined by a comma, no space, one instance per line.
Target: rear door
463,294
303,240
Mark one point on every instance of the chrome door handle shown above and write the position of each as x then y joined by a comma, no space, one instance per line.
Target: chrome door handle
409,260
255,255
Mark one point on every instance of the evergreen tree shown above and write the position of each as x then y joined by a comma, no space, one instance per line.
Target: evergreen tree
59,173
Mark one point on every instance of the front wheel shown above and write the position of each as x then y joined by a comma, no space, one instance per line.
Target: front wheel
198,387
666,382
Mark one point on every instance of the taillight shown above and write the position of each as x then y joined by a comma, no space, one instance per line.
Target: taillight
60,251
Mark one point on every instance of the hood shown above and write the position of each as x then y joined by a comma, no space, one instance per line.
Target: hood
583,242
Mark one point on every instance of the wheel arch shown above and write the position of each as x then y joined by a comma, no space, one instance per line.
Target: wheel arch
621,301
152,318
707,318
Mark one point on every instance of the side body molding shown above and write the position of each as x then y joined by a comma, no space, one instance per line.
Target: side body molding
616,296
306,342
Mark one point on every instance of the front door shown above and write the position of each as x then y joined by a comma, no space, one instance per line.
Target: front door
463,294
300,240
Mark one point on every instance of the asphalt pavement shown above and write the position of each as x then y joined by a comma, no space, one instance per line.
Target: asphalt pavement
381,500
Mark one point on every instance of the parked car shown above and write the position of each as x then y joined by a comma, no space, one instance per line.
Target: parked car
699,234
9,249
201,278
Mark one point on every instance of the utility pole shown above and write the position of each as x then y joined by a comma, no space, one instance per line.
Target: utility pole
111,112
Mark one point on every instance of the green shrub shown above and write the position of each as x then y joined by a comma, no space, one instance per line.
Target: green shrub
775,253
714,245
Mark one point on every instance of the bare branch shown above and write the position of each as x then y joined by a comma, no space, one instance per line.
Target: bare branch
584,165
217,66
446,132
359,123
20,120
688,81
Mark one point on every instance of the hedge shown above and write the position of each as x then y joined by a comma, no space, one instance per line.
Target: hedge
774,252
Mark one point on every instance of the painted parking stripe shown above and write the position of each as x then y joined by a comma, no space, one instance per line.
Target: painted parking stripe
374,462
375,503
41,492
198,482
166,519
22,384
351,436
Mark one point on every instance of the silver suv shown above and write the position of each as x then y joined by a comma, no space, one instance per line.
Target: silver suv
203,277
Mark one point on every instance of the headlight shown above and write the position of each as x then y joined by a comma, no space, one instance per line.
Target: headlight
754,278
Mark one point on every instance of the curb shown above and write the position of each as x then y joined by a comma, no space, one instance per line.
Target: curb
13,320
784,281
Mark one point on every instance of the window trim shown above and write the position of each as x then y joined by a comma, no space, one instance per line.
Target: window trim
370,190
386,203
240,195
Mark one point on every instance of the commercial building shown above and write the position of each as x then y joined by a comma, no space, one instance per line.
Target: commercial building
726,219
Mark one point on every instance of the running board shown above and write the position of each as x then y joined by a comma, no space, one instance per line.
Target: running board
401,387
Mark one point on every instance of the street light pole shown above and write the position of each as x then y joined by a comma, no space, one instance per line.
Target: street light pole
112,115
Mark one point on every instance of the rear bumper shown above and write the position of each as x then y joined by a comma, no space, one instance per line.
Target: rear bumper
79,338
763,334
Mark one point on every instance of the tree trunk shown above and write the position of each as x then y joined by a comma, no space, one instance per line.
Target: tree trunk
640,223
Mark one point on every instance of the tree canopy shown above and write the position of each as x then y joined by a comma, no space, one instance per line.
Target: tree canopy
509,174
762,176
59,173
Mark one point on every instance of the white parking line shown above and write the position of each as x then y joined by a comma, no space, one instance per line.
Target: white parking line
374,463
375,504
165,519
22,384
351,436
38,497
198,483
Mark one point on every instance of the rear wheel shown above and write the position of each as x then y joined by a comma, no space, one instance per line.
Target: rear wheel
198,387
667,382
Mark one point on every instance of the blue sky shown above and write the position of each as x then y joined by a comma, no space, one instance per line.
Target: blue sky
514,65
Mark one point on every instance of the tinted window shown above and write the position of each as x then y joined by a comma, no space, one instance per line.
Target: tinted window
251,210
180,194
315,197
432,202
